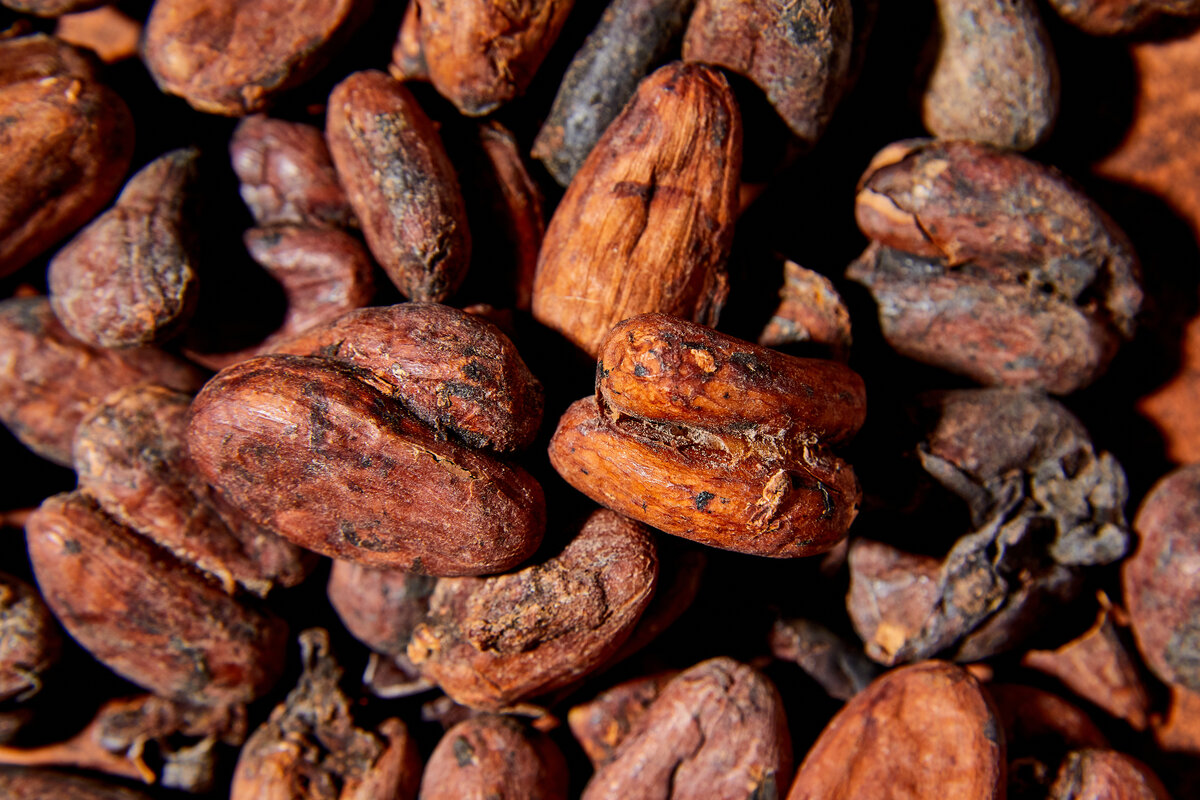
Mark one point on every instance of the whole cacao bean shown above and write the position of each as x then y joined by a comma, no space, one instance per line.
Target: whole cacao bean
491,756
29,639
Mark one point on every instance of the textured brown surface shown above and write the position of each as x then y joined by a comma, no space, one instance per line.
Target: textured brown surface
925,730
797,52
311,748
408,56
494,758
29,639
491,642
38,784
66,156
107,31
144,614
811,311
647,223
324,273
381,607
995,79
130,277
717,732
994,266
483,53
1110,17
1097,667
50,8
50,381
400,183
232,56
1031,716
316,451
131,457
1106,775
601,724
1159,581
454,371
631,38
286,174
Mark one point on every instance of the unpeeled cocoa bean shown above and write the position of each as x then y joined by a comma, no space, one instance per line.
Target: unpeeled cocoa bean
380,607
1106,775
1113,17
130,277
146,615
17,783
601,724
29,639
488,757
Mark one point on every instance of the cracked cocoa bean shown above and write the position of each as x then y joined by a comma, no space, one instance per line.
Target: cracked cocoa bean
716,440
68,140
129,278
482,53
918,731
50,381
647,223
492,642
146,615
798,53
717,731
493,757
315,449
400,183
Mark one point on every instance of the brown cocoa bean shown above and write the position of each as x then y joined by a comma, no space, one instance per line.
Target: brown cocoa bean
17,783
798,53
454,371
835,663
1113,17
129,278
380,607
400,183
601,724
232,57
287,175
632,37
483,53
29,639
314,450
1159,580
51,8
811,312
312,748
490,757
408,56
50,381
131,457
1106,775
66,154
647,224
1030,715
919,731
146,615
995,79
491,642
717,731
106,31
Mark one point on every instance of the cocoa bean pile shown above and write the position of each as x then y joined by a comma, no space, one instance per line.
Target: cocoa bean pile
675,399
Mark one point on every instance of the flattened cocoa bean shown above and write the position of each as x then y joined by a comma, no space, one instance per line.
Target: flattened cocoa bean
648,221
380,607
717,731
491,642
663,369
323,272
29,639
995,79
483,53
1159,581
1112,17
632,37
233,56
129,277
454,371
144,614
1106,775
925,730
705,491
311,748
601,724
400,183
49,381
796,51
319,453
287,175
17,783
131,457
67,142
494,757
